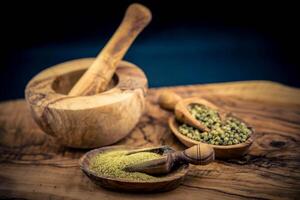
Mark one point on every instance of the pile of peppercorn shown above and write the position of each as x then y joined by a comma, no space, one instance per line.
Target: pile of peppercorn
229,132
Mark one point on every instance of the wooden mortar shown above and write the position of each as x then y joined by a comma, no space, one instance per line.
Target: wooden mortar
88,103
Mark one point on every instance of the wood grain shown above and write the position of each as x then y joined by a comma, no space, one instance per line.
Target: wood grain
33,166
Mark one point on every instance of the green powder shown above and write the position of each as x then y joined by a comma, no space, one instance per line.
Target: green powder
112,163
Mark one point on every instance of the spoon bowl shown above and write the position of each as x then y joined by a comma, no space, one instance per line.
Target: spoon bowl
183,114
172,101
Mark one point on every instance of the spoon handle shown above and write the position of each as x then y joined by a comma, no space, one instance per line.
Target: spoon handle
168,100
200,154
99,74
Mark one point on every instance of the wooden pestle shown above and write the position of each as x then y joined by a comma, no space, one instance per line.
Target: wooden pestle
201,154
99,74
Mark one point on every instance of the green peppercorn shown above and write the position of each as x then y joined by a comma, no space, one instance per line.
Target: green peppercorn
231,131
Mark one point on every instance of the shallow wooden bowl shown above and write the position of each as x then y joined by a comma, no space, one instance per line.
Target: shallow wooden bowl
86,121
221,151
165,183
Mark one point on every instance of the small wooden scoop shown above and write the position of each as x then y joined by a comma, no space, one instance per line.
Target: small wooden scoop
99,74
201,154
172,101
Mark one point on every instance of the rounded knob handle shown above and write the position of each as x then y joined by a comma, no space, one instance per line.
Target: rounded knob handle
168,100
201,154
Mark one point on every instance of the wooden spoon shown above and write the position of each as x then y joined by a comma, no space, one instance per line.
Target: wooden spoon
172,101
201,154
99,74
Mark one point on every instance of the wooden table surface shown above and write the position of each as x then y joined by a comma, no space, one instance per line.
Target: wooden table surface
34,166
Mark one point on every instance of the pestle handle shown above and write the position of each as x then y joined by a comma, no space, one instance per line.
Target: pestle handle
168,100
200,154
99,74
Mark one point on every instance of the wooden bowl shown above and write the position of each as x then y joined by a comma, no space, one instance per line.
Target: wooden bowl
86,121
221,151
165,183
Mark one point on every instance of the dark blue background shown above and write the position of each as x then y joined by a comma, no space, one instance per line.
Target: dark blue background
186,43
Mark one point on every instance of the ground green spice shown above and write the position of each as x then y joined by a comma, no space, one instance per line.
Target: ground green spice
112,163
230,132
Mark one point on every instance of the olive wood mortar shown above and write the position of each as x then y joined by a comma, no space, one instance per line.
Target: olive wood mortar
86,121
164,183
172,101
74,110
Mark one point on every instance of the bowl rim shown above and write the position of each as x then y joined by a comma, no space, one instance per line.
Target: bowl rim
64,68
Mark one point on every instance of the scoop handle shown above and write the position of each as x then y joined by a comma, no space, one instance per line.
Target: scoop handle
200,154
168,100
99,74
